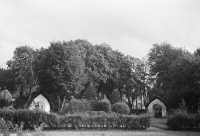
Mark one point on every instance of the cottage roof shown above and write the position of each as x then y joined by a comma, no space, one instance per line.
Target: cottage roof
158,99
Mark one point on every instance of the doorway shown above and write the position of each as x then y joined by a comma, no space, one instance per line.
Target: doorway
157,111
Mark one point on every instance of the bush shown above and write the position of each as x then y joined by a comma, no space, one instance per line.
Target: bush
4,103
7,114
77,106
121,108
19,103
138,111
53,120
115,96
76,121
101,105
7,127
94,113
182,106
31,119
181,121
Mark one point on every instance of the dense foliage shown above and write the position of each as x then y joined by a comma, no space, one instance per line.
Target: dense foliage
73,69
78,69
120,108
74,106
4,103
183,121
115,96
175,75
101,105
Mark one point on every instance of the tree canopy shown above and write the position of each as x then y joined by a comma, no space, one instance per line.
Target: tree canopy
78,69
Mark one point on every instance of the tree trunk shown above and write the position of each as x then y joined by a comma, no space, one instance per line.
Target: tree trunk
33,96
136,102
129,102
59,102
63,103
132,101
29,100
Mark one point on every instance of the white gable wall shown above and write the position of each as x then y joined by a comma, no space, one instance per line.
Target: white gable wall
157,101
43,103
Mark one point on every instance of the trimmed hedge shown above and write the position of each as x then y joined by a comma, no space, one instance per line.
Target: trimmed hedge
101,105
183,121
138,111
76,121
31,118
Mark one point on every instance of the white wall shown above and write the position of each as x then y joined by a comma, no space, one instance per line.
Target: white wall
157,101
42,100
5,95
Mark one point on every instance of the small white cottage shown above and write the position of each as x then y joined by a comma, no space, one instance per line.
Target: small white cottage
157,108
40,102
5,94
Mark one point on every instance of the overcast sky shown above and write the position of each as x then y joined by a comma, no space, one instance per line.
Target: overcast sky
130,26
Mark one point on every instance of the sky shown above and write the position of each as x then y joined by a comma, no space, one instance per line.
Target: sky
129,26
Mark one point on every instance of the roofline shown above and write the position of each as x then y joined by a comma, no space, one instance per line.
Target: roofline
158,99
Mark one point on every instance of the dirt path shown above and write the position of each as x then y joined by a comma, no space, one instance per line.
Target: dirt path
159,123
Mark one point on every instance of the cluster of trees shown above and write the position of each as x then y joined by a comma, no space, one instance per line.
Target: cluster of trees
78,69
175,74
74,69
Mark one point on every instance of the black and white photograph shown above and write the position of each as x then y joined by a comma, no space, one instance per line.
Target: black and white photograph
99,67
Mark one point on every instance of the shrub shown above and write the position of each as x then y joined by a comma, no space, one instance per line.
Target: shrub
182,106
4,103
36,118
115,96
101,105
181,120
78,105
6,127
94,113
19,103
138,111
53,120
38,131
31,118
121,108
7,113
76,121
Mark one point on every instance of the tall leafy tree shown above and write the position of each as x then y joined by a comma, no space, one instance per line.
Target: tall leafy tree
197,53
63,72
185,81
112,70
23,68
7,80
161,57
96,68
130,81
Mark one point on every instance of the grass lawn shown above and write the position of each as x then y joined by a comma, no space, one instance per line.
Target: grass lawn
122,133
